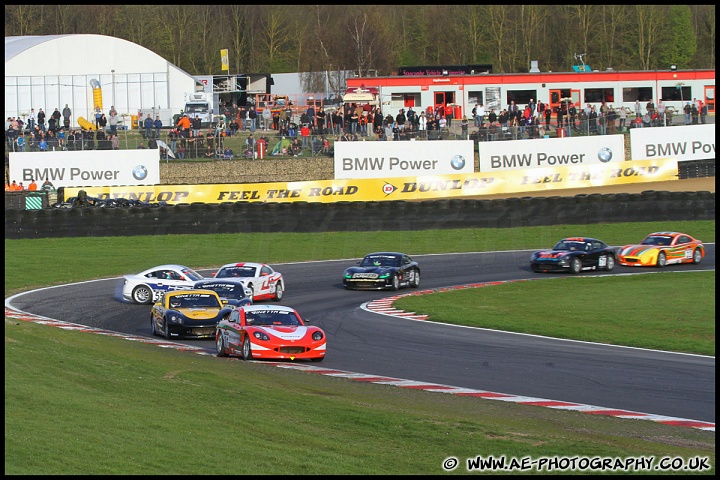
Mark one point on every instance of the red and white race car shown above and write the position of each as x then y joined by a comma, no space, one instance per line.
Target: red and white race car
264,282
269,332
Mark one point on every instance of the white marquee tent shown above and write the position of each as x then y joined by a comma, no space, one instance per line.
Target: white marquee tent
51,71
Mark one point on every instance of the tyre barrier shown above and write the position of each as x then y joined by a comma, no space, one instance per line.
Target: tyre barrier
306,217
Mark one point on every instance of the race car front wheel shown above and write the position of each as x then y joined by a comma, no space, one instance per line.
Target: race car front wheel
415,282
246,350
142,294
152,326
576,265
661,260
697,256
395,285
220,345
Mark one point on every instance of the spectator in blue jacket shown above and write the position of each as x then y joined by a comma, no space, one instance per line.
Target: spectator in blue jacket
158,125
148,124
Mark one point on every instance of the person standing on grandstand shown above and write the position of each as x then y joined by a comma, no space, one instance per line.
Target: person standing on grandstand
148,125
184,126
157,124
66,113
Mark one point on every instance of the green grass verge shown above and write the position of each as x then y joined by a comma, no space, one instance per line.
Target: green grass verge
77,403
40,262
87,404
664,311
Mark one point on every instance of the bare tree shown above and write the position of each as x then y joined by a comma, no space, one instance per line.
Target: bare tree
649,32
273,39
499,29
704,30
372,42
275,35
137,28
532,18
238,25
65,17
614,30
23,20
471,27
581,24
176,22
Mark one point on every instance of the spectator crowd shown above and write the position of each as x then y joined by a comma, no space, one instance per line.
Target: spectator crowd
311,130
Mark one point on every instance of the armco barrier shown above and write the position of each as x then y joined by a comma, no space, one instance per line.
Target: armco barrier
245,217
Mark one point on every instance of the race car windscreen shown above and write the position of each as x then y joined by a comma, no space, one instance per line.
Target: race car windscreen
570,246
192,275
657,240
236,272
272,317
194,300
380,261
226,290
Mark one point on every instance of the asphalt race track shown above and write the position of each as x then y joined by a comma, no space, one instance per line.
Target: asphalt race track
361,341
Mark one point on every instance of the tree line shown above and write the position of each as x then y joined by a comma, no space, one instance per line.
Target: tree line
377,39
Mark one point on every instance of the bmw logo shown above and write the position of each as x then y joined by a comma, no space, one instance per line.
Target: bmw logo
140,172
457,162
605,155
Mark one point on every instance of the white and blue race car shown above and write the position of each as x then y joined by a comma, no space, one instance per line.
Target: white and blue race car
147,286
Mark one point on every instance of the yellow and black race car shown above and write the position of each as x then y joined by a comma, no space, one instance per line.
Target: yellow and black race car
188,314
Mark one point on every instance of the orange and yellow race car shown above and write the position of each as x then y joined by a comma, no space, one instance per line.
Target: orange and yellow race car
662,248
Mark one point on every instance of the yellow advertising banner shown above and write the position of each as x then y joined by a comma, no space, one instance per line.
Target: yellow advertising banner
225,59
538,180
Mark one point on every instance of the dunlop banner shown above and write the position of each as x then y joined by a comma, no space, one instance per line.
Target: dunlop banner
401,188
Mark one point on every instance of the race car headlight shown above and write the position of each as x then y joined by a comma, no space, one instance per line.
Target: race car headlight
261,336
564,260
384,275
317,336
348,275
176,319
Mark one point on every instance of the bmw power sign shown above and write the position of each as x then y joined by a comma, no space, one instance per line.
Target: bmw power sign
551,152
89,168
403,159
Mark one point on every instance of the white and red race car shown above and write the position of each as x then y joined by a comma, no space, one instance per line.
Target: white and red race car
264,282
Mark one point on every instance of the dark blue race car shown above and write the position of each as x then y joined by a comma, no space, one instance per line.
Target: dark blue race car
383,270
574,254
231,289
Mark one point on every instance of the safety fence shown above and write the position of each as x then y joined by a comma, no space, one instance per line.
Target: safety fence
213,143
